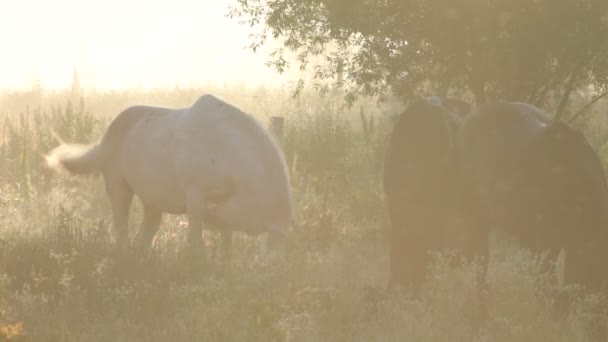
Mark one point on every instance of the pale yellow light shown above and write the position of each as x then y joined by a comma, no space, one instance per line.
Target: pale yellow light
118,44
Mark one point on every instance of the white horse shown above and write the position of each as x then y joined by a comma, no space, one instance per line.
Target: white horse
211,161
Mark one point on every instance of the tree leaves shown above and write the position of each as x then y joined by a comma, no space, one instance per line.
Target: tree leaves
520,50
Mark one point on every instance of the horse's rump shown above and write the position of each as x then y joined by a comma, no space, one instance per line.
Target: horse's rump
419,182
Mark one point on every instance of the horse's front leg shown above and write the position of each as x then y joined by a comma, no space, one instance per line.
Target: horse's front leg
195,207
211,218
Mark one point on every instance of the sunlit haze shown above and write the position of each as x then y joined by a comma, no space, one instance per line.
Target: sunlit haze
118,44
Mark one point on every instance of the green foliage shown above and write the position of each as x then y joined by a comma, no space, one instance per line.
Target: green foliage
531,51
32,134
62,280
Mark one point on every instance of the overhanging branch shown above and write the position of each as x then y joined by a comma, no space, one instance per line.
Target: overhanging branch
587,106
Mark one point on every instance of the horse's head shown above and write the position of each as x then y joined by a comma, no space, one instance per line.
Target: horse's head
277,242
246,214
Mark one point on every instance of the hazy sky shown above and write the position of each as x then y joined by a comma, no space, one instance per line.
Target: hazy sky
126,43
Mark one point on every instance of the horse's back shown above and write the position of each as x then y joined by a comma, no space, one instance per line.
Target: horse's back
494,135
121,125
148,157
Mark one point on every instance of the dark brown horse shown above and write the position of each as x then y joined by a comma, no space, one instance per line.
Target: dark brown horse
419,183
540,181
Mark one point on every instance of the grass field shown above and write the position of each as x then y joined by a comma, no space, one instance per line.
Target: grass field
61,280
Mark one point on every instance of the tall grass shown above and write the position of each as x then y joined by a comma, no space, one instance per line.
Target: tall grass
61,280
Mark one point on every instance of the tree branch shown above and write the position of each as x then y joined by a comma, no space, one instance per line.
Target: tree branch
587,106
536,99
568,89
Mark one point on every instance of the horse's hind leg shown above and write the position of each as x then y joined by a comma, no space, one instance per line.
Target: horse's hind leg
149,227
120,195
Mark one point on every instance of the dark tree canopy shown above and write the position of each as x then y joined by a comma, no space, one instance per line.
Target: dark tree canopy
519,50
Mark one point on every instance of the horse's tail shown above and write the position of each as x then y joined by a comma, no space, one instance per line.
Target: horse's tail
76,158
